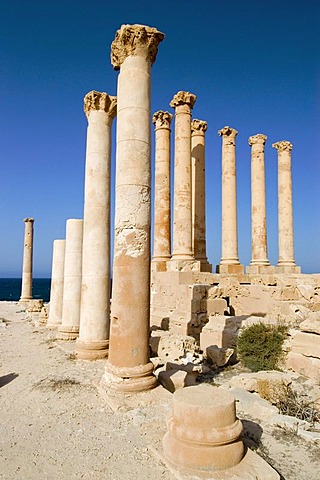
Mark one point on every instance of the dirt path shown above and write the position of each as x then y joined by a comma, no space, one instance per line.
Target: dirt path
56,425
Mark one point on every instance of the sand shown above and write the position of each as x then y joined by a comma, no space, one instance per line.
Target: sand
56,424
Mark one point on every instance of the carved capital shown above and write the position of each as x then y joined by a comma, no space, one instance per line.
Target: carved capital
162,119
259,138
183,98
228,132
28,220
198,127
135,40
283,146
100,101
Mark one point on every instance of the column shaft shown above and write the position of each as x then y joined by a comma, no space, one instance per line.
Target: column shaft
285,213
258,201
69,327
182,216
198,129
26,287
229,257
57,281
162,229
92,343
129,367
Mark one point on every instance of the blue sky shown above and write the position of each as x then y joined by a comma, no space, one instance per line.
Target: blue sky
254,65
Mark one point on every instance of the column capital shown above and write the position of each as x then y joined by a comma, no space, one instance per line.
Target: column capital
28,220
183,98
135,40
259,138
283,146
162,119
228,132
100,101
198,127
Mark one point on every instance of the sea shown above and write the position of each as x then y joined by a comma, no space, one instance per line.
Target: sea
10,289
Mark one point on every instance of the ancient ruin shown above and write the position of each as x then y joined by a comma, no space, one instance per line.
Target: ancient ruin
193,314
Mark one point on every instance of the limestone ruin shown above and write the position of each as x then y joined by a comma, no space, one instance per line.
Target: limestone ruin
189,309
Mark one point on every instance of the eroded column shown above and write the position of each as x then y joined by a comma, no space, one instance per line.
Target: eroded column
162,242
286,262
100,109
182,253
69,328
129,368
57,281
26,287
198,129
229,262
258,206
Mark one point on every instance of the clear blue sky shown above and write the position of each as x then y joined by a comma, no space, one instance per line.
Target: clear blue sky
253,64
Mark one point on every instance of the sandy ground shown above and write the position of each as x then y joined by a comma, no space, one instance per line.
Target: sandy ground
55,424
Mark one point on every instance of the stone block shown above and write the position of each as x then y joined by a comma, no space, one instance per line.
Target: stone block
220,331
173,380
217,306
311,324
260,269
169,346
293,423
219,356
308,366
230,269
270,385
308,344
252,404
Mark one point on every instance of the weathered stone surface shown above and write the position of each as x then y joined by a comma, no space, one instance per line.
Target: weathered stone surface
173,380
308,366
308,344
217,306
311,324
170,346
293,423
270,385
218,356
221,331
253,405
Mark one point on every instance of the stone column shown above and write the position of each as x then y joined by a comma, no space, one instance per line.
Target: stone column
198,129
259,260
129,368
69,328
57,281
229,262
182,253
93,340
286,262
26,288
162,229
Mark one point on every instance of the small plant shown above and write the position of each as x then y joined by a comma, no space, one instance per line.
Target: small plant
299,406
259,346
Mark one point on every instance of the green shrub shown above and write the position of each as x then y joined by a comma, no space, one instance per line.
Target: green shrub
259,346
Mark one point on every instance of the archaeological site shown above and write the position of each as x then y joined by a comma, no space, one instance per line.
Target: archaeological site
149,335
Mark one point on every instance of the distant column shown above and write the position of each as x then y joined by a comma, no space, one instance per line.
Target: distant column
285,213
162,242
198,129
26,288
229,262
57,281
182,102
93,341
129,368
258,201
69,328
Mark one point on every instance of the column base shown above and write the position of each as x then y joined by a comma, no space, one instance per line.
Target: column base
183,265
52,324
261,269
25,299
91,350
229,268
288,269
159,265
129,379
66,332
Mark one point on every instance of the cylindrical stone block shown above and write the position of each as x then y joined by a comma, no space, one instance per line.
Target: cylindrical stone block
183,102
203,432
162,242
258,201
69,328
26,287
57,281
285,212
129,368
93,340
